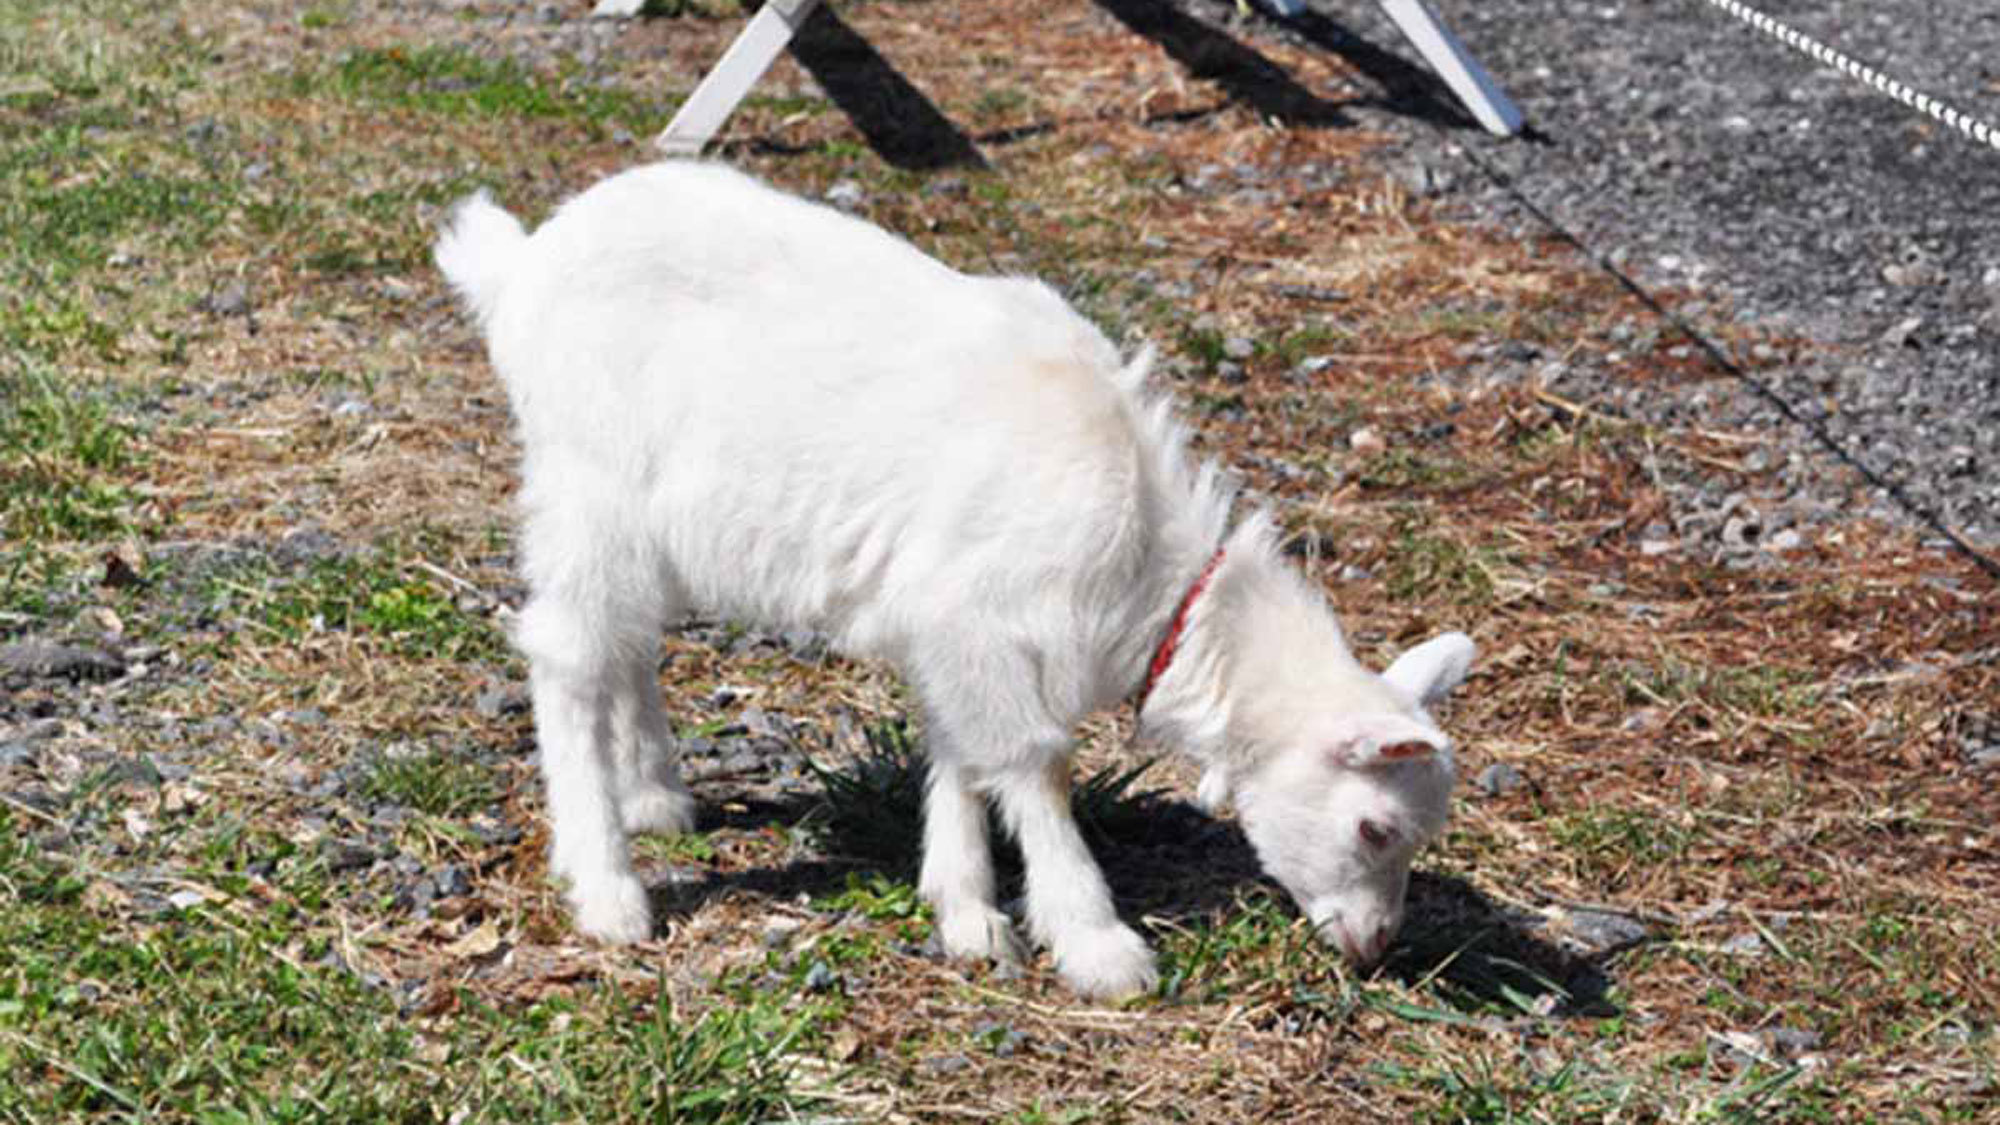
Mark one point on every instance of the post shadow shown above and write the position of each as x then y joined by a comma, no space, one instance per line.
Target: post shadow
1247,77
1408,90
903,127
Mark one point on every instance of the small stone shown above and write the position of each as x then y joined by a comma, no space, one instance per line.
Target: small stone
451,881
947,1064
1790,1041
1239,347
1787,540
1654,548
1606,930
231,300
779,931
343,856
1744,945
500,699
1499,779
186,900
1312,365
846,195
1740,533
1230,371
821,978
1366,442
1903,334
50,660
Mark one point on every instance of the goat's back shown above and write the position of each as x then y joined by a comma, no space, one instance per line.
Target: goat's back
814,420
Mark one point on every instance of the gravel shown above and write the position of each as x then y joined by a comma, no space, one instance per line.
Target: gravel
1854,235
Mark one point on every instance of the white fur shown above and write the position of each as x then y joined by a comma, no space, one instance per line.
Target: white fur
732,399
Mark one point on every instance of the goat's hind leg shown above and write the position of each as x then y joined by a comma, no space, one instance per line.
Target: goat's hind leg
650,793
577,681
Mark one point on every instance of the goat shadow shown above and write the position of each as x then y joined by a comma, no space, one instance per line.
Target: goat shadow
1169,863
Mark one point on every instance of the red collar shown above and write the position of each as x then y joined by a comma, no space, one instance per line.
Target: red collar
1171,643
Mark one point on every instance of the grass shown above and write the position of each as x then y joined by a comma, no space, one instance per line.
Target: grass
61,452
453,82
223,876
217,1013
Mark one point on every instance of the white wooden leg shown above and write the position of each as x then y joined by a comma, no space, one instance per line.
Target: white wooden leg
1455,65
756,46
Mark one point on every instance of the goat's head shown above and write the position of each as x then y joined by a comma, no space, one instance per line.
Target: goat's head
1338,811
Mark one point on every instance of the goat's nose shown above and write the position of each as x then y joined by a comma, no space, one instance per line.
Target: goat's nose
1379,944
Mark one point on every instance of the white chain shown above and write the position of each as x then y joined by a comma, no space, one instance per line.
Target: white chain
1971,126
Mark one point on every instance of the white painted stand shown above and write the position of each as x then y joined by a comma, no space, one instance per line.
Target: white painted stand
746,60
767,33
1455,65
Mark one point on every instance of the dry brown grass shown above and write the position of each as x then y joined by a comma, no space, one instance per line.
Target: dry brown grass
1762,766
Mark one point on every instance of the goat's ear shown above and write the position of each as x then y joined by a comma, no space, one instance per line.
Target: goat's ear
1369,741
1425,673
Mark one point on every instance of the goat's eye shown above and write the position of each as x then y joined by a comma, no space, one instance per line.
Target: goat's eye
1377,835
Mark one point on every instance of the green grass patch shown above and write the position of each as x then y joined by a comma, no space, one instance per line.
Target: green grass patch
60,455
224,1015
1426,566
370,593
437,782
456,83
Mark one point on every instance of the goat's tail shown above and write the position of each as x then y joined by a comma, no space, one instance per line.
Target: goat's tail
477,252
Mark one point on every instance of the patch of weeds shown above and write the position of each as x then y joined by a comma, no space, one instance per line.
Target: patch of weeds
873,805
1765,690
437,782
875,897
689,847
993,105
366,593
1105,806
1474,1089
1406,470
58,451
1255,940
319,17
1425,566
453,82
63,225
232,1015
1206,346
1295,347
48,328
1612,840
35,584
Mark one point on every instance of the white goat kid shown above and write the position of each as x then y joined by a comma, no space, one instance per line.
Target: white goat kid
736,400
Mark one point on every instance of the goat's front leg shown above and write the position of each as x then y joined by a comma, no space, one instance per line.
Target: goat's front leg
650,793
957,877
1069,906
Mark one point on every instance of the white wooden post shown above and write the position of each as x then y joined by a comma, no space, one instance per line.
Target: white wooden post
1455,65
755,48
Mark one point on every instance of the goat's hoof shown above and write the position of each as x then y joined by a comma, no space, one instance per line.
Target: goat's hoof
980,932
1108,964
657,808
615,910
